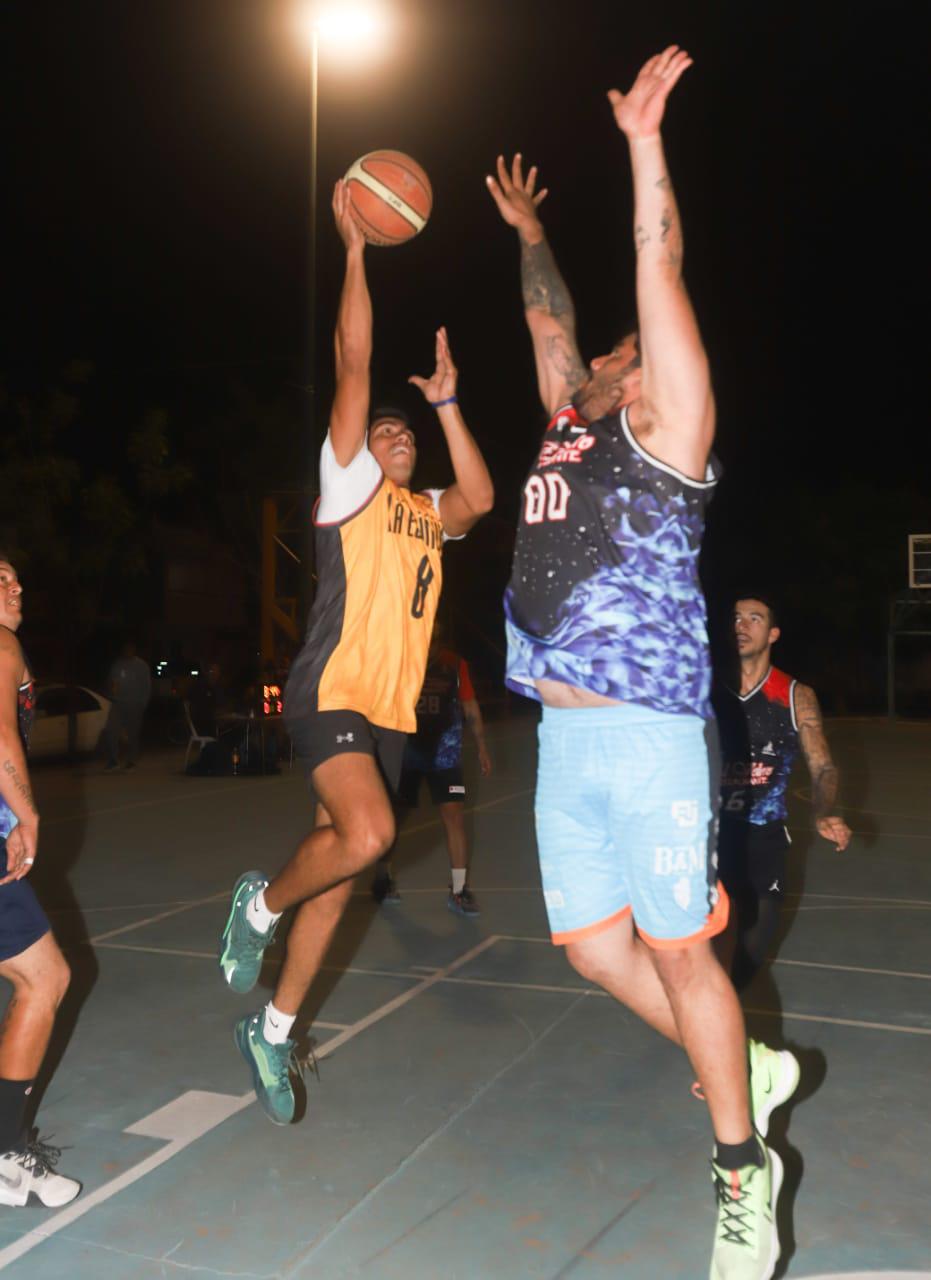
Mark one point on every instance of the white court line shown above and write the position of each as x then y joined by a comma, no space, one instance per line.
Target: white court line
162,915
842,1022
850,906
850,897
182,1122
195,1114
137,804
853,968
472,808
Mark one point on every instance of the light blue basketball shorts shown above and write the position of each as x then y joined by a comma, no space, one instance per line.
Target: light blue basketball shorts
626,814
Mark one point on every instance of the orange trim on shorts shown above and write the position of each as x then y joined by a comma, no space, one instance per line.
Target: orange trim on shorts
590,930
716,923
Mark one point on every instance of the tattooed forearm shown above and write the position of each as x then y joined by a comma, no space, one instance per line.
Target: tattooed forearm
824,791
543,286
641,237
19,783
824,773
565,360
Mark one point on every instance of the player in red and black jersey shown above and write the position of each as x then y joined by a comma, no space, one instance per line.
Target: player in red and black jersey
763,723
434,754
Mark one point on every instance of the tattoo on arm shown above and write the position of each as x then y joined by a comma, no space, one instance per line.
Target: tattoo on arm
663,183
564,358
641,237
825,777
543,286
21,786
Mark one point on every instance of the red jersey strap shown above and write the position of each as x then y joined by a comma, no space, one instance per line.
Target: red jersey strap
567,416
780,688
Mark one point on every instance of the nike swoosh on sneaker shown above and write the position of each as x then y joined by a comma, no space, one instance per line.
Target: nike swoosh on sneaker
13,1184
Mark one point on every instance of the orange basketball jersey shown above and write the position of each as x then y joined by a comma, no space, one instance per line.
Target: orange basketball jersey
379,576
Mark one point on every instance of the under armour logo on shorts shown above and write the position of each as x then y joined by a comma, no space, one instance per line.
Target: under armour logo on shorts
344,737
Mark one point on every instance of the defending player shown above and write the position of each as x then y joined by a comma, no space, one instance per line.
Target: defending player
606,627
349,702
29,956
762,727
434,753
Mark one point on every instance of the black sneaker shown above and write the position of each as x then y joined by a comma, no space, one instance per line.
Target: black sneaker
463,904
384,888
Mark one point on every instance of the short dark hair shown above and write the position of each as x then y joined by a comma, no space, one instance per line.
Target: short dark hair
385,411
764,598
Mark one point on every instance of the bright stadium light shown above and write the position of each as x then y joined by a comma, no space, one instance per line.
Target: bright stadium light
347,29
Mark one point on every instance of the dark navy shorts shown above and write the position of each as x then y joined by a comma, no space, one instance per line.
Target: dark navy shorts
22,920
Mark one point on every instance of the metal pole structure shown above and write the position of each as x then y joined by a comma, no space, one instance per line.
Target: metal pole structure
312,272
313,478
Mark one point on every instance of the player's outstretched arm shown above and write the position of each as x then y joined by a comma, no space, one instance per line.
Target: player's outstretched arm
547,302
473,494
15,787
349,416
677,406
825,778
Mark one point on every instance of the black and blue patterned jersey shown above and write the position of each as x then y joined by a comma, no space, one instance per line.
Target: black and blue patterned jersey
759,745
437,744
604,591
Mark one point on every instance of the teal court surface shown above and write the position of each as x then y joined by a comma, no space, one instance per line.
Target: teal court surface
480,1111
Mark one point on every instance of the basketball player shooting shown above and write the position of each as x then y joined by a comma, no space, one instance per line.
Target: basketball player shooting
606,627
353,688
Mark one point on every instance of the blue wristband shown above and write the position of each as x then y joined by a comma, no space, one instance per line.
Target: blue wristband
438,404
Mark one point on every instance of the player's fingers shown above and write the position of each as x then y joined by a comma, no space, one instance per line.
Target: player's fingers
665,58
531,181
496,192
420,383
503,176
674,73
517,170
541,196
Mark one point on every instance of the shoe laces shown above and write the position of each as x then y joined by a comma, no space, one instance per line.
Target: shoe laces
735,1221
39,1157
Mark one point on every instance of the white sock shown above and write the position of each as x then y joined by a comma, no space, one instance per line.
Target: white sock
259,915
459,878
276,1026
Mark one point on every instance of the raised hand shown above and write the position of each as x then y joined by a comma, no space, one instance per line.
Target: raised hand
349,230
515,195
441,385
639,113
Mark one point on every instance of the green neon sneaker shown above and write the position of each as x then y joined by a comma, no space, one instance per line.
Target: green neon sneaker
746,1240
241,946
774,1077
271,1066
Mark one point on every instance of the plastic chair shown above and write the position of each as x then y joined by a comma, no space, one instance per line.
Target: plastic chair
200,739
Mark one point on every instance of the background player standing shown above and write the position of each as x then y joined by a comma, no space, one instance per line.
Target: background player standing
606,627
434,753
762,725
350,699
29,956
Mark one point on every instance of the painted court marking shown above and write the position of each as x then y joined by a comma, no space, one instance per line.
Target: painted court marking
179,1124
195,1113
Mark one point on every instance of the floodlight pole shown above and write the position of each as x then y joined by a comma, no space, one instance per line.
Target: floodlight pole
312,264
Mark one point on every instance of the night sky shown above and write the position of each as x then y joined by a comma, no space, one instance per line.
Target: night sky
156,225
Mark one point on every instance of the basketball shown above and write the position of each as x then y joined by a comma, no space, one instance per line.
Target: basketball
391,196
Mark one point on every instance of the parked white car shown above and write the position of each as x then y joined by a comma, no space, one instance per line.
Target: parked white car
49,736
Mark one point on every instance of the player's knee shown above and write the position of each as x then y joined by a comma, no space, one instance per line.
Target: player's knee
586,962
59,979
679,967
374,839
